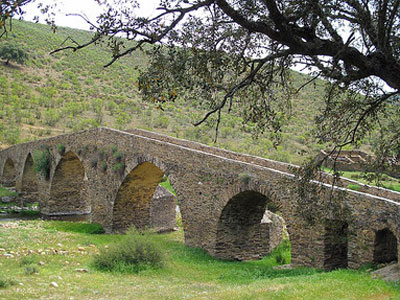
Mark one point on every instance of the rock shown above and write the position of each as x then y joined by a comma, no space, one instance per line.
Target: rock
81,249
54,284
59,245
81,270
390,272
8,255
7,199
283,267
40,263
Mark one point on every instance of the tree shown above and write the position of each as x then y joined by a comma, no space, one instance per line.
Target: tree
238,53
12,52
10,9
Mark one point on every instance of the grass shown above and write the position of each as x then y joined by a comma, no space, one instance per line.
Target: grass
189,273
166,184
5,192
86,228
387,182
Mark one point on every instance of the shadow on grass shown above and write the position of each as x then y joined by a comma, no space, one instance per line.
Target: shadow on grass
234,271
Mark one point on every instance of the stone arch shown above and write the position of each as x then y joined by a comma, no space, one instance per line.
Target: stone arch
9,173
385,246
29,183
67,190
141,202
335,244
241,232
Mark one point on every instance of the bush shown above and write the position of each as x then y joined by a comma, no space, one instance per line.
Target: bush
119,167
118,156
136,252
354,187
244,178
61,149
4,282
104,166
31,269
42,162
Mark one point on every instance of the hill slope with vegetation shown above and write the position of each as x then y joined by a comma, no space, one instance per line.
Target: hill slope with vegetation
70,91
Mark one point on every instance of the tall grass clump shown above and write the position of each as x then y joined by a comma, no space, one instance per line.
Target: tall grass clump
134,253
5,282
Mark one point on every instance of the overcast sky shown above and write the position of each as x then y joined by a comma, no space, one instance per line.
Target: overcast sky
86,7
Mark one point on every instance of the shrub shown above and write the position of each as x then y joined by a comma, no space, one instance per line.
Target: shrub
280,259
28,260
4,282
93,162
104,166
119,167
134,253
31,269
118,156
61,149
282,253
244,178
42,162
354,187
114,149
102,154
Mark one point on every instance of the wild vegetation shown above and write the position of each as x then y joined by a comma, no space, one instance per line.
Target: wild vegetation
52,259
65,92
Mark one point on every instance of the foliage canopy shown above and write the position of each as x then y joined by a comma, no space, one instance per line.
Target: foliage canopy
11,52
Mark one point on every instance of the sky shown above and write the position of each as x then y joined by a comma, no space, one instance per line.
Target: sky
87,7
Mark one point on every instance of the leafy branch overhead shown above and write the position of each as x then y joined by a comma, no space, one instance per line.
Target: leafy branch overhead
237,53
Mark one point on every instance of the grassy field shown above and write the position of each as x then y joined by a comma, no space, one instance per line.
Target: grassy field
45,252
386,181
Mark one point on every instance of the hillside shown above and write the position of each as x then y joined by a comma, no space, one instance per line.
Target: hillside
72,91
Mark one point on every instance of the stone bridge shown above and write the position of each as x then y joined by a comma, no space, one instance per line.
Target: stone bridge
110,177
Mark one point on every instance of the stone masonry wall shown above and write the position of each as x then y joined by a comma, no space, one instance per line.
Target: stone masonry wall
268,163
205,183
163,210
9,173
29,183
